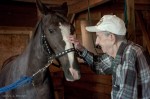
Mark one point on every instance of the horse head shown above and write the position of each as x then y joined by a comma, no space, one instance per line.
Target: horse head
56,29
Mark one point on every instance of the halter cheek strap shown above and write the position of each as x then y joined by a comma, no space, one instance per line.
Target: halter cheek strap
45,45
48,49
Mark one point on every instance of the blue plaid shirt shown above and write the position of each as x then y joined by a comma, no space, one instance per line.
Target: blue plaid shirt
130,70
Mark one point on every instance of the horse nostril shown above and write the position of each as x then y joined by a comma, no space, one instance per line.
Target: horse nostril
74,73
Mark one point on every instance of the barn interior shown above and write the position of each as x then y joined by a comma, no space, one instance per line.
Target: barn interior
19,17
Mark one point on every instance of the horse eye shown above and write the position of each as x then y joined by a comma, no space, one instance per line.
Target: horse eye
51,31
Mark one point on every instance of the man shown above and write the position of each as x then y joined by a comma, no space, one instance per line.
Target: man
128,62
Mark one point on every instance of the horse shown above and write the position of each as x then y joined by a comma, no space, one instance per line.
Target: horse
49,41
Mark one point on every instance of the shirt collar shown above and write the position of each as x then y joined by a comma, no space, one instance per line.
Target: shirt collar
118,58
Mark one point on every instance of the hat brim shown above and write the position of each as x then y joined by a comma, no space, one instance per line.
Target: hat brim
92,29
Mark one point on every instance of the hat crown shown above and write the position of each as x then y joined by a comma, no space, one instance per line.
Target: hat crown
110,23
113,24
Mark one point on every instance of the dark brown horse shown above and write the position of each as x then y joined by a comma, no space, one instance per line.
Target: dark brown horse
49,38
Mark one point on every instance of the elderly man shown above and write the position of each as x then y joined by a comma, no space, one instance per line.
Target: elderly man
128,62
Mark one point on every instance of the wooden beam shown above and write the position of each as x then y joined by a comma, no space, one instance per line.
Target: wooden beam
136,1
4,30
142,1
51,2
83,5
131,20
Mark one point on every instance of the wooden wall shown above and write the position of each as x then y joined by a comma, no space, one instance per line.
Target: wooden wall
17,14
90,86
13,41
16,23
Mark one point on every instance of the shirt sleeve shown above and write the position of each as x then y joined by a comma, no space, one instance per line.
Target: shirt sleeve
126,77
100,64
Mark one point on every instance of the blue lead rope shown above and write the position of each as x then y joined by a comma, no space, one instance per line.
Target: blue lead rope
26,80
22,81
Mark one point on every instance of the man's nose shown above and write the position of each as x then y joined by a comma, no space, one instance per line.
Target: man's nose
98,46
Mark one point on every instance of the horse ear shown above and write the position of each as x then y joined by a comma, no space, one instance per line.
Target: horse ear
43,9
64,6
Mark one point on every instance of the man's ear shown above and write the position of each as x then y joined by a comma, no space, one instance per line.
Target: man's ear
112,38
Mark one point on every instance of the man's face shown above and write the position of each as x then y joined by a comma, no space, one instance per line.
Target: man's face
104,41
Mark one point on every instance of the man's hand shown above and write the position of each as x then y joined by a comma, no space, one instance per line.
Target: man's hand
76,43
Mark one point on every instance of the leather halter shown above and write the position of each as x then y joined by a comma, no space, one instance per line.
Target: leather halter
50,52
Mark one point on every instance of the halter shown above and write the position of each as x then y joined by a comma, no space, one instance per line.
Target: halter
48,49
51,55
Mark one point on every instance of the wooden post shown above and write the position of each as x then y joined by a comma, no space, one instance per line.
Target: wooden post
87,38
131,20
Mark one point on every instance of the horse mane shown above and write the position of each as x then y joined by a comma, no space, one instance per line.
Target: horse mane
35,29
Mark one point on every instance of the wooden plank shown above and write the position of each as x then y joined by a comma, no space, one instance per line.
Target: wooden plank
146,39
18,14
101,79
142,1
54,2
83,5
142,7
76,93
13,41
137,1
11,45
16,30
93,87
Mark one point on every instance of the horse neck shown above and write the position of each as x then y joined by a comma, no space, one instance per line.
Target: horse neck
38,57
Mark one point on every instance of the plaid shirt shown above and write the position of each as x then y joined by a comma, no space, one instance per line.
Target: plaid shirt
130,70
